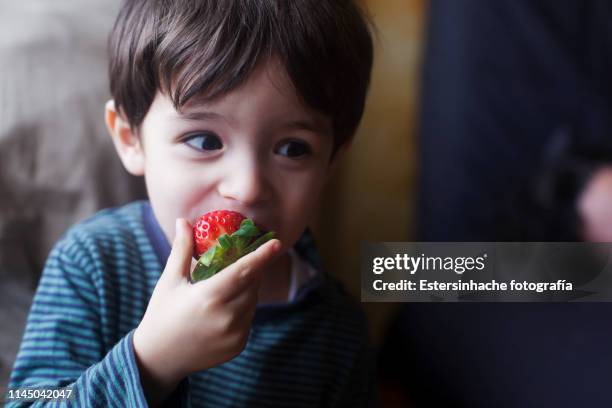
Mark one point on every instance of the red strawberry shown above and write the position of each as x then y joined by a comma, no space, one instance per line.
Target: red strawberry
210,226
220,238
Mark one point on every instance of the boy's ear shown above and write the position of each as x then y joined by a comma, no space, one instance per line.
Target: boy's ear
127,143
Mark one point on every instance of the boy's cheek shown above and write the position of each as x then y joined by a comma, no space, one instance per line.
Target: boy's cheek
301,214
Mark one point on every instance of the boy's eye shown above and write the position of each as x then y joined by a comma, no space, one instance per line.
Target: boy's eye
204,141
293,149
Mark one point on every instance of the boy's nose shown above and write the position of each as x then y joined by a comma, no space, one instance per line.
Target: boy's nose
246,184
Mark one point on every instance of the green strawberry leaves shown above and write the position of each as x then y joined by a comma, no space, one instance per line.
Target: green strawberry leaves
225,241
230,248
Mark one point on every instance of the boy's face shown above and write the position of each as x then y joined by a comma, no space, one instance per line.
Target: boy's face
256,150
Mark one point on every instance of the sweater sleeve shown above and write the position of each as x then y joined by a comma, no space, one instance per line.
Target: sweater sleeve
63,346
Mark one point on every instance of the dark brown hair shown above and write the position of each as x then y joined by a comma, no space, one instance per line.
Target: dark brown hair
206,48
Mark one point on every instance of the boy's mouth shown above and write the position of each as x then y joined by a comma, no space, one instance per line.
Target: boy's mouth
261,226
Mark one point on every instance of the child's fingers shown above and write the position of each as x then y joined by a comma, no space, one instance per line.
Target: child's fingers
243,273
179,262
246,303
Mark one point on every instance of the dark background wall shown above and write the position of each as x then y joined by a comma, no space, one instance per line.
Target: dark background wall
503,80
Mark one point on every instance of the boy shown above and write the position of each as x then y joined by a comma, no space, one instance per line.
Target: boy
241,105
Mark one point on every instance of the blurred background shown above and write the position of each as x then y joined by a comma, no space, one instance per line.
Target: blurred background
486,121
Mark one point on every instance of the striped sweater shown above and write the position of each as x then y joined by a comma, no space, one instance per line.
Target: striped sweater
94,291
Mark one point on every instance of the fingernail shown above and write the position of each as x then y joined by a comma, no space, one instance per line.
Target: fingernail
276,245
177,227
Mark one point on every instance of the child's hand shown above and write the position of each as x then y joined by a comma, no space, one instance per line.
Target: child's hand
191,327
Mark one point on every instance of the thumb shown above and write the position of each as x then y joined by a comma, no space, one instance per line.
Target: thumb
244,272
179,262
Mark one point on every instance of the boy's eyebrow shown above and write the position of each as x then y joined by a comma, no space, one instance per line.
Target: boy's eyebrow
302,124
296,124
200,115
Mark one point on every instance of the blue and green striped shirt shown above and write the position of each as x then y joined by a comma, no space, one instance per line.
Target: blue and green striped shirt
94,291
